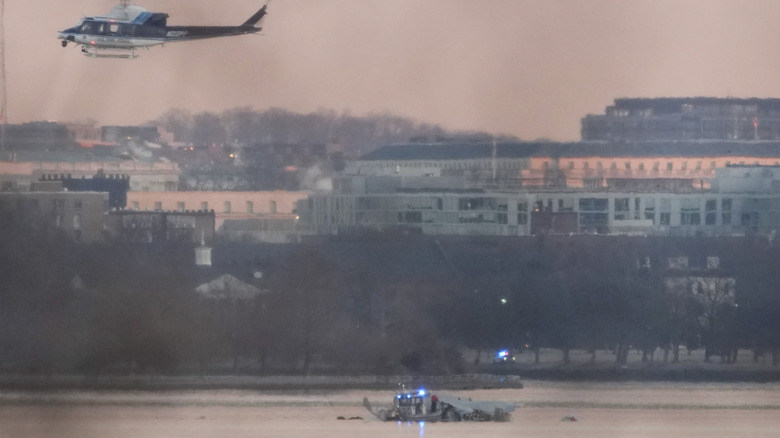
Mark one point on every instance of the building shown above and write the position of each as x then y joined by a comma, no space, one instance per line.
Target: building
115,185
518,166
23,168
256,216
743,200
36,136
161,226
688,118
80,215
667,166
124,134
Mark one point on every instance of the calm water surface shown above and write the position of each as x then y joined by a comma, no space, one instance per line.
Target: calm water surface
600,410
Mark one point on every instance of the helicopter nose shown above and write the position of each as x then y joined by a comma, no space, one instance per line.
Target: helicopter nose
66,36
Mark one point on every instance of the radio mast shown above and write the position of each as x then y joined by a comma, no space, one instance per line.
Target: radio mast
3,88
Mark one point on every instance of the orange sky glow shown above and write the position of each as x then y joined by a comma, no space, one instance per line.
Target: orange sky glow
529,68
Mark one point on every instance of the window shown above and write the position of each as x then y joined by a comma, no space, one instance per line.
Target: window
594,204
250,207
749,219
725,211
414,217
669,166
594,215
522,213
650,209
636,208
78,205
666,211
134,205
476,204
227,206
59,205
272,207
690,212
710,209
204,206
621,209
157,206
180,206
77,222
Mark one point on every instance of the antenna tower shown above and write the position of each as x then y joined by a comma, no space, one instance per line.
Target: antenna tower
3,88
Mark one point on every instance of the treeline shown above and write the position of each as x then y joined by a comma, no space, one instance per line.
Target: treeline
133,309
619,294
276,149
244,126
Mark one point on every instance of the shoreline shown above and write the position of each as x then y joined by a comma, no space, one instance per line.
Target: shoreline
512,379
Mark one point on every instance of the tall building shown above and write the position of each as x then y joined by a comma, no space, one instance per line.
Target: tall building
686,118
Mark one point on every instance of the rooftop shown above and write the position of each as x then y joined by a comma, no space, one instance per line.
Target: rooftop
472,151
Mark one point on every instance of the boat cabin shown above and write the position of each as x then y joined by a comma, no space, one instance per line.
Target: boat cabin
412,403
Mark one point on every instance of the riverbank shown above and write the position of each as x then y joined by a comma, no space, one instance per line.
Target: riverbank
273,383
510,374
508,379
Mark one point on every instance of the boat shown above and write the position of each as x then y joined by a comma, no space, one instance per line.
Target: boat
420,405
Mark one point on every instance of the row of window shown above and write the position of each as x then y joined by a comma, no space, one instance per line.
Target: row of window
227,206
670,166
459,164
587,219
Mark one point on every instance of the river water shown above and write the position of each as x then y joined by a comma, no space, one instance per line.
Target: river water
545,409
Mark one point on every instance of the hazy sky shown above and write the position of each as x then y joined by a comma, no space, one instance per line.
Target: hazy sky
531,68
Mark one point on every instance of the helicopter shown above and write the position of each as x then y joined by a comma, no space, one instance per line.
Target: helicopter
127,27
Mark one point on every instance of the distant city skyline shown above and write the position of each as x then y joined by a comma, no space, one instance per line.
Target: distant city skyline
529,68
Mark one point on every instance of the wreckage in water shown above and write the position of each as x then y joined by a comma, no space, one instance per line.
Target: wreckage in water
419,405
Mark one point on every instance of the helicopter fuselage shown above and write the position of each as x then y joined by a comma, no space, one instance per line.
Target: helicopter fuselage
126,28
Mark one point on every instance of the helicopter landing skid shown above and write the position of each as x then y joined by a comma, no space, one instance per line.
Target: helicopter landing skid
95,52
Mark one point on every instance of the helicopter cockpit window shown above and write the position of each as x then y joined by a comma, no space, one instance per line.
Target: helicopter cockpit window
113,29
88,27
